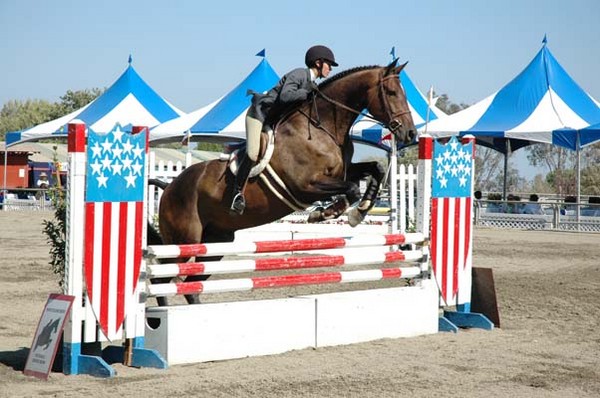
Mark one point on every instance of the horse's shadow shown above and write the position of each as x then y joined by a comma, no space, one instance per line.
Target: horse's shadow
15,359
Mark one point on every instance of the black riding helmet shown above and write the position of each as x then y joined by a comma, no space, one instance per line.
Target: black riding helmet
319,52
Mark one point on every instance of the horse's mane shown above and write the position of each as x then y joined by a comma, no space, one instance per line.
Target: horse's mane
345,73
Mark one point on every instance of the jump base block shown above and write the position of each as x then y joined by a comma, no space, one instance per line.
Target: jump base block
219,331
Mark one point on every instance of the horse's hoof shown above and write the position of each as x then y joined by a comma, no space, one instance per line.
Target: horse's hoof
355,217
315,216
364,205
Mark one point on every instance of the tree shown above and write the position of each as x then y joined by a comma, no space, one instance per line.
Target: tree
73,100
560,163
18,115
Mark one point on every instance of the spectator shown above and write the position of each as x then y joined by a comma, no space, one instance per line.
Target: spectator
533,207
42,181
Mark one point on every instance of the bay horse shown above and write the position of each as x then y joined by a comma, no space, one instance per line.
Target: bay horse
311,161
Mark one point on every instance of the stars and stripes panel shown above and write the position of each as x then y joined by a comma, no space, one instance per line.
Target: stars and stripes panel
114,221
451,212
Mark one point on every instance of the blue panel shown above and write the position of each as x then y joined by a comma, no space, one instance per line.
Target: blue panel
261,79
128,83
12,137
452,169
116,163
568,90
516,101
413,96
566,138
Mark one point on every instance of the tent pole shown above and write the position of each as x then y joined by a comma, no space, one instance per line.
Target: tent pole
578,148
506,152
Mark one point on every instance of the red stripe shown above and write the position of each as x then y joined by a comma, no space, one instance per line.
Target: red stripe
468,223
425,147
89,248
387,273
137,253
446,236
76,137
192,250
191,268
266,264
105,261
458,203
395,239
189,287
434,234
302,244
121,264
390,257
295,280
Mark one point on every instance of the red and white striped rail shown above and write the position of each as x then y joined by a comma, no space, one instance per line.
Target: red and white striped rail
271,264
245,284
230,248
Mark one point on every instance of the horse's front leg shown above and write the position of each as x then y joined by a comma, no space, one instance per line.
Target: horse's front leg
356,172
341,193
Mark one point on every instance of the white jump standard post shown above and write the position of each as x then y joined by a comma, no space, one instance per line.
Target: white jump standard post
114,258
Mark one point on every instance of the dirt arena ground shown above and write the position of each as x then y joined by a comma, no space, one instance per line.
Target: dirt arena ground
548,287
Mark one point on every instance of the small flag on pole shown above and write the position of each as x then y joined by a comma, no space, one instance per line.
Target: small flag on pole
431,100
262,53
393,52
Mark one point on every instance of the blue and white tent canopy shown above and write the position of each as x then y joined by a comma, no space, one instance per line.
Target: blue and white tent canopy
367,132
223,119
129,102
542,104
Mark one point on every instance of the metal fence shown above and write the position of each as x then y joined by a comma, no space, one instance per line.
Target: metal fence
551,216
25,200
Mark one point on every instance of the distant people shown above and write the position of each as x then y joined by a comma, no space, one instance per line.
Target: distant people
533,207
42,181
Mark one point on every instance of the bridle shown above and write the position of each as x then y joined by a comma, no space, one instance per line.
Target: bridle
394,123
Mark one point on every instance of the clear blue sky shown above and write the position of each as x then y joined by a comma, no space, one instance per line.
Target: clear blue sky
192,52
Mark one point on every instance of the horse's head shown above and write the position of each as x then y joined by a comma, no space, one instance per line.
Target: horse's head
388,105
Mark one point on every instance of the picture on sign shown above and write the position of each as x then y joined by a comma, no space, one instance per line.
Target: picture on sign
47,336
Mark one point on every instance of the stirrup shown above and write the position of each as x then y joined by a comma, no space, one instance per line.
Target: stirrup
238,205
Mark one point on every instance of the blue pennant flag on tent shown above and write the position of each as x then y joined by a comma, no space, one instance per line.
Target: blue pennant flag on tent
262,53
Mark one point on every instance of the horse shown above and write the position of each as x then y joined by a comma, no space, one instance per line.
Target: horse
310,162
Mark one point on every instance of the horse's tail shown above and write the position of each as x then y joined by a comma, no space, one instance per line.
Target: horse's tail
153,236
159,183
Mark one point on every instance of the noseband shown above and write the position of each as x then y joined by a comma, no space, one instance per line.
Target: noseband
394,124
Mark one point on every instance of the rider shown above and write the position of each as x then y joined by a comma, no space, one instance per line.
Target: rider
294,86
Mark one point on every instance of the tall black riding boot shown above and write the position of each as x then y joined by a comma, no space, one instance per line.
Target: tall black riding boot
239,202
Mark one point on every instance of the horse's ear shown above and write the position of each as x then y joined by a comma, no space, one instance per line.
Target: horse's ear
399,69
391,66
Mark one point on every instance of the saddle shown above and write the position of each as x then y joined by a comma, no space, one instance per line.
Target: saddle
234,157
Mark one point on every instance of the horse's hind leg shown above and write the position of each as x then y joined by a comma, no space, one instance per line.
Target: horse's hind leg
210,236
357,171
